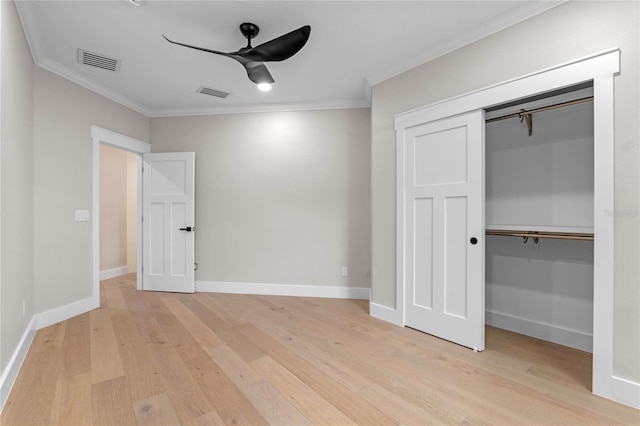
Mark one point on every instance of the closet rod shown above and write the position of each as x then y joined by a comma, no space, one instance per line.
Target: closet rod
540,109
535,234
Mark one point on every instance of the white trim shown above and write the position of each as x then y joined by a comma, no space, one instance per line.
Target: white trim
15,363
599,68
246,109
387,314
626,392
107,137
549,332
54,316
603,247
333,292
114,272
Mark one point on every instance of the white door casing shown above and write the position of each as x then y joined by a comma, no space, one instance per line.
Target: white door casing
168,221
444,228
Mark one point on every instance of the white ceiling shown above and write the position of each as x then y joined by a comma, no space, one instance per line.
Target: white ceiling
353,45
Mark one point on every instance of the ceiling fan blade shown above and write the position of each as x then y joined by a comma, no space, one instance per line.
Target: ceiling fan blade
197,48
280,48
258,72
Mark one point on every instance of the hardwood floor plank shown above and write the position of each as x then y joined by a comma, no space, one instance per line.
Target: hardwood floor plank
199,330
210,419
238,371
155,411
348,402
76,347
185,393
113,296
315,408
143,381
272,405
72,401
201,307
111,403
105,358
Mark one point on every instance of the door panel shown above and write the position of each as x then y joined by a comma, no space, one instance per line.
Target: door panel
444,210
168,211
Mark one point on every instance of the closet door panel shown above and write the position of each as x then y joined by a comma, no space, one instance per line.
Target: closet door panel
444,235
423,253
455,277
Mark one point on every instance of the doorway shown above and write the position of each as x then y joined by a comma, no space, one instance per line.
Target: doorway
118,212
109,138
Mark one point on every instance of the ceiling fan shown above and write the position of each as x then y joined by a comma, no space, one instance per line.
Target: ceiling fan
253,58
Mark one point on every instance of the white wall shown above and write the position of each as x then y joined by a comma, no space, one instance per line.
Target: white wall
113,208
16,142
64,113
132,212
281,198
567,32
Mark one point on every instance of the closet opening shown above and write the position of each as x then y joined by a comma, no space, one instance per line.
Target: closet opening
539,216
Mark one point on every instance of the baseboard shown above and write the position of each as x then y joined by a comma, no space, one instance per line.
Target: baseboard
114,272
549,332
332,292
384,313
62,313
625,391
10,373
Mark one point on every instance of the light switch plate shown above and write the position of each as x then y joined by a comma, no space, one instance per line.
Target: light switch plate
82,215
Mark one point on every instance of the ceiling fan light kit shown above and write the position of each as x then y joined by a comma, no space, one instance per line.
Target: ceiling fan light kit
253,58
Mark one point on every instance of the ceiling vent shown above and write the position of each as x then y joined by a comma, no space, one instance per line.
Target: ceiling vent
213,92
98,61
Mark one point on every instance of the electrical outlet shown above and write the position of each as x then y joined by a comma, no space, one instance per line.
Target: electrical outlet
345,271
24,308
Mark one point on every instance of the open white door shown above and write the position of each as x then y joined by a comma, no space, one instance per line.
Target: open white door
168,221
444,228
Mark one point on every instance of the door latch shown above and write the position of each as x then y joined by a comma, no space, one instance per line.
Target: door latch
188,228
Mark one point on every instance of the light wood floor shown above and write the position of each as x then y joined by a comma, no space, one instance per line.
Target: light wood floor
157,358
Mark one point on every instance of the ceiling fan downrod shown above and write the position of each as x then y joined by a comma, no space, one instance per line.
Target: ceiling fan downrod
249,31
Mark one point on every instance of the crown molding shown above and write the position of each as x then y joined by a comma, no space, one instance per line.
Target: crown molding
504,21
247,109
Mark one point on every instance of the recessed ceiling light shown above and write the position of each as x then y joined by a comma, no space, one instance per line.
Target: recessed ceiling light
265,87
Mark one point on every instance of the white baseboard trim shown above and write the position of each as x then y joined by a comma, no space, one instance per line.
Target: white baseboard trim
625,391
385,313
332,292
539,330
114,272
62,313
10,373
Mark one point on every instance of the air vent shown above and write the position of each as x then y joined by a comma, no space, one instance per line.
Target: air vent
213,92
98,61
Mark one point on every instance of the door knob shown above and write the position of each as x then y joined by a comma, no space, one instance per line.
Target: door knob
473,240
188,229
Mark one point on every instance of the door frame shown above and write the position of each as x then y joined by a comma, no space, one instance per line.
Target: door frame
599,68
100,136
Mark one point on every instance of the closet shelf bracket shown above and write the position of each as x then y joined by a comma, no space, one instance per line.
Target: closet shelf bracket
527,118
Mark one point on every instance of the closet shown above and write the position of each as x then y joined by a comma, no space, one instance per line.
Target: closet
539,216
495,225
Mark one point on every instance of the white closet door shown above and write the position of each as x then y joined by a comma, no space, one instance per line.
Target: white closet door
444,228
168,222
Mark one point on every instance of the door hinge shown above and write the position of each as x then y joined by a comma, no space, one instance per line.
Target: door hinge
195,266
